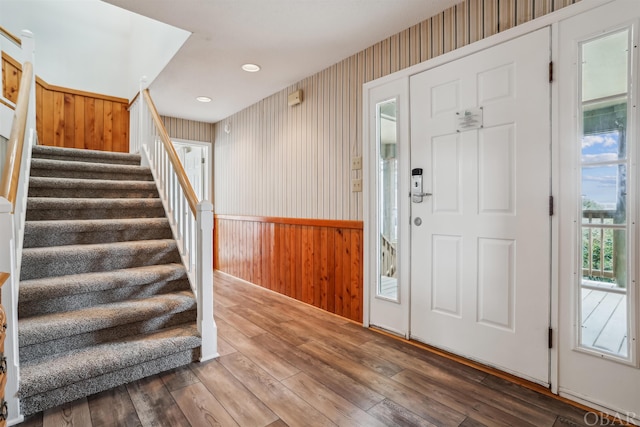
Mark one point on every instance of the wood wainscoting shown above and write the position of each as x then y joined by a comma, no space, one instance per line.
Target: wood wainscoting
72,118
76,119
318,262
11,75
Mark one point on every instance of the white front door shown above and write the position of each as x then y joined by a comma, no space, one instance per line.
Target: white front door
597,69
480,242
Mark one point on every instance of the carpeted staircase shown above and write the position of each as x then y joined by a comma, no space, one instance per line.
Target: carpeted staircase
104,298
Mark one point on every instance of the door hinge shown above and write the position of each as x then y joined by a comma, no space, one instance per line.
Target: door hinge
550,71
550,205
550,338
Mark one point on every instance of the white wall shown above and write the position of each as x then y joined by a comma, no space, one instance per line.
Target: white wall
153,44
93,46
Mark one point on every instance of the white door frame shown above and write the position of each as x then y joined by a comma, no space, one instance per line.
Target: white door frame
370,211
595,387
208,147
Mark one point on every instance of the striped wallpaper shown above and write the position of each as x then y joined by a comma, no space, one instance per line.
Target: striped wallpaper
188,129
296,161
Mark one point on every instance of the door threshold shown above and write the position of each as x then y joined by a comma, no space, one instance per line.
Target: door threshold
388,332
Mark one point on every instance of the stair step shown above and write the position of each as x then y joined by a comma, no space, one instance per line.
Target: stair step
80,232
52,381
90,188
88,170
51,208
66,293
47,334
104,298
74,154
44,350
76,259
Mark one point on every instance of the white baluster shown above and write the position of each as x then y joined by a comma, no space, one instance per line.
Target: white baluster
192,231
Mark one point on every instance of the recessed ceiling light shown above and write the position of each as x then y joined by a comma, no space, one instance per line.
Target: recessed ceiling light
203,99
251,68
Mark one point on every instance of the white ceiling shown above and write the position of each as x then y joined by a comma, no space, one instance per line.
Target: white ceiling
289,39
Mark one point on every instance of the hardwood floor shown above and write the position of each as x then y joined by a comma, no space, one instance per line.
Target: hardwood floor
286,363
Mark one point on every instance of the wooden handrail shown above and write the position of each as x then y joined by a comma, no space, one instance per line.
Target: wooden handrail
15,39
133,101
84,93
192,199
11,172
44,85
7,103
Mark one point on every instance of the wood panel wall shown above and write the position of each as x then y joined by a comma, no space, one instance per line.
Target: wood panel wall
296,161
72,118
11,75
317,262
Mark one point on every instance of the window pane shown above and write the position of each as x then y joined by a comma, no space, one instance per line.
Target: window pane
603,297
602,147
604,322
600,257
605,66
604,195
388,199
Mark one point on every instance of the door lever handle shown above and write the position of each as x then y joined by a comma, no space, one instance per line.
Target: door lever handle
420,194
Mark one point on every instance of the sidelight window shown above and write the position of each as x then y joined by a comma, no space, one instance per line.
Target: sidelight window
387,138
605,292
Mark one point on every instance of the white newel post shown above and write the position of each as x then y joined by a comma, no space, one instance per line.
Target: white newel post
29,55
10,301
204,280
140,137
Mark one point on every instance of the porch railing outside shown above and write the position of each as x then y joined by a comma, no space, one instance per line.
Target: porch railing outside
191,220
598,245
388,251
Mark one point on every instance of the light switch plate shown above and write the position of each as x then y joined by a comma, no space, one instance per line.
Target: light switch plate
356,163
356,185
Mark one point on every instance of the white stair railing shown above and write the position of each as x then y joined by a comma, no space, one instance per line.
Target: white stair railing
13,204
191,220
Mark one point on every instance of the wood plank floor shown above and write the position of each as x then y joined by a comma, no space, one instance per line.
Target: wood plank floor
286,363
